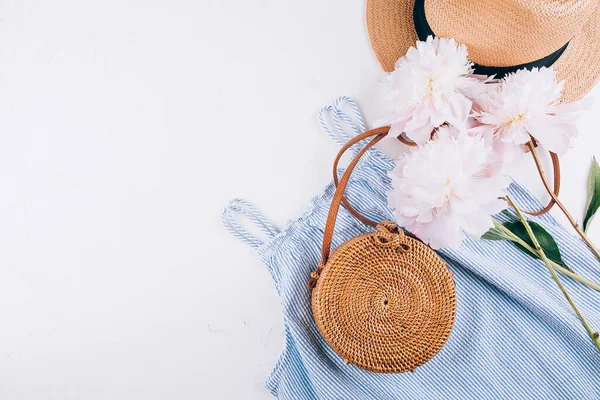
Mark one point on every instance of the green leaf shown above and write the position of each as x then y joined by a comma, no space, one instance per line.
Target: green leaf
509,214
496,234
594,194
545,240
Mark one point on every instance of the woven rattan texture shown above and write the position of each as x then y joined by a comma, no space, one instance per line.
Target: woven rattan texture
385,302
499,33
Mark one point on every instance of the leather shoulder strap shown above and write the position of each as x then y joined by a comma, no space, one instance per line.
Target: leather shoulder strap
345,202
556,170
338,197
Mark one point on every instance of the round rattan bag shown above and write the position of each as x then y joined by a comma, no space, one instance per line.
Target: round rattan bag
384,301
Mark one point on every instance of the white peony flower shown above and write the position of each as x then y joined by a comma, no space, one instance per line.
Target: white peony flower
447,188
527,103
432,84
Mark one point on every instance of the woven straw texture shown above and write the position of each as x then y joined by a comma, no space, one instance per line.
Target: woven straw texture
499,33
385,301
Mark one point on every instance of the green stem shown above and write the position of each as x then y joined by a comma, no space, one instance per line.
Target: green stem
556,266
590,331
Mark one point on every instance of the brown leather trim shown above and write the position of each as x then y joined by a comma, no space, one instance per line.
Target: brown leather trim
556,170
338,197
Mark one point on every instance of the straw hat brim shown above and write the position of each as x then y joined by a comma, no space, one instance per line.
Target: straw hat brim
391,32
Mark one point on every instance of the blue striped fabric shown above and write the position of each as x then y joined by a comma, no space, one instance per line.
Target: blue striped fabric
515,336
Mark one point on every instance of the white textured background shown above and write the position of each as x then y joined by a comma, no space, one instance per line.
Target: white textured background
125,127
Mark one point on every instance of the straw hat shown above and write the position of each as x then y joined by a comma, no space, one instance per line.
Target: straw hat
501,35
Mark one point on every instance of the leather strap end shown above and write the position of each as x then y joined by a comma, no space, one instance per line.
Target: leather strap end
314,276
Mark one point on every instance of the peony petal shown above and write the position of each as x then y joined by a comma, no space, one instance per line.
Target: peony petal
396,129
447,187
419,135
460,107
554,140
